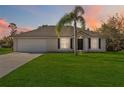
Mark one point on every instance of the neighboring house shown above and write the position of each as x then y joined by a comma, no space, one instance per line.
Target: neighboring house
44,39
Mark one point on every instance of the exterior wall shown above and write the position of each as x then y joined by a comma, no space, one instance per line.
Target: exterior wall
14,44
69,45
52,45
85,45
102,49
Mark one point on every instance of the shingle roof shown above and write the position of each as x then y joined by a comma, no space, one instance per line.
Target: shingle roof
49,31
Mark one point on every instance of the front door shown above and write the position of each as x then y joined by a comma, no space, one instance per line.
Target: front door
80,44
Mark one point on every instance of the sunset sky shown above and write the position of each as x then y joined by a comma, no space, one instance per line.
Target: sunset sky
30,17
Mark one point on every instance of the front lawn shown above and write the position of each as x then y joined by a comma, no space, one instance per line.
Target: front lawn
65,69
5,50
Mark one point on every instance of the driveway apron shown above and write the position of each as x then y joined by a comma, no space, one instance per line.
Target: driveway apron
11,61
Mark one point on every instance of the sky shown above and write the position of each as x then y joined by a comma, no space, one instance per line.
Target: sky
30,17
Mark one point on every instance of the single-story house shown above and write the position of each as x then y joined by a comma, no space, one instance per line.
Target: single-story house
44,39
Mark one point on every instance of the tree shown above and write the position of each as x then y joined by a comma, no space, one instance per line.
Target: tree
113,30
8,40
72,18
13,28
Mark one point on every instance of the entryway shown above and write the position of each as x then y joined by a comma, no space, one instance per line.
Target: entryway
80,44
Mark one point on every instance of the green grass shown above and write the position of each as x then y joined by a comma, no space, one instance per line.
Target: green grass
5,50
65,69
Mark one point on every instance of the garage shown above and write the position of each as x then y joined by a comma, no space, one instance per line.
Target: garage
30,45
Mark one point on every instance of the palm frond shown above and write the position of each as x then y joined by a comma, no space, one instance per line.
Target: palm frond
13,25
82,21
13,28
79,10
66,19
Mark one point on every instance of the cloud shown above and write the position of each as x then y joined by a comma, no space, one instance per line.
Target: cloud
3,28
91,16
24,29
5,31
3,22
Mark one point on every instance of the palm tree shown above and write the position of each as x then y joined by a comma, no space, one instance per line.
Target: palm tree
72,18
13,28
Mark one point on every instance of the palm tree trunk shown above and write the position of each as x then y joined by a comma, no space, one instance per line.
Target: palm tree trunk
75,38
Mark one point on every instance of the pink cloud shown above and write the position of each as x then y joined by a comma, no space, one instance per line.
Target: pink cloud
3,23
3,27
5,30
92,16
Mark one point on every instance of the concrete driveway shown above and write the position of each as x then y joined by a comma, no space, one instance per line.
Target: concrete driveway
10,62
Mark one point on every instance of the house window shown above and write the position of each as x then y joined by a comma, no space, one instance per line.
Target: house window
58,43
71,43
64,43
99,43
94,43
89,43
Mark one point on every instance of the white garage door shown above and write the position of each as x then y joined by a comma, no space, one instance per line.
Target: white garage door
31,45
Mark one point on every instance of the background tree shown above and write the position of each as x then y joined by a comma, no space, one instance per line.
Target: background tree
72,18
8,40
13,28
113,30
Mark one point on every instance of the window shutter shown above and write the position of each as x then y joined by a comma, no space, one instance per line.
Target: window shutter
89,43
58,43
99,43
71,43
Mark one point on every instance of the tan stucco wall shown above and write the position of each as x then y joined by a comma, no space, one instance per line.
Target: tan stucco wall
14,44
52,44
103,46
